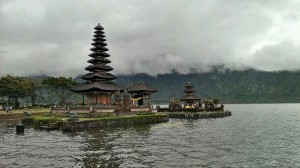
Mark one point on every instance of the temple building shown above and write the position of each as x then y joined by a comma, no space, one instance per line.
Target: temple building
99,86
190,100
141,95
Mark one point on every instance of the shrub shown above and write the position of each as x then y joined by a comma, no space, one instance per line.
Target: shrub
39,121
28,121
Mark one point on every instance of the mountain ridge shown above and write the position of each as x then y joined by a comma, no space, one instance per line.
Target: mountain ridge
231,86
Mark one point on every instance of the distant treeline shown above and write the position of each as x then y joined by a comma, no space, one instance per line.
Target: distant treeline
36,90
231,86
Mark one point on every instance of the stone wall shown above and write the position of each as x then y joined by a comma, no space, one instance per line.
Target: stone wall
18,115
85,109
113,121
139,109
197,115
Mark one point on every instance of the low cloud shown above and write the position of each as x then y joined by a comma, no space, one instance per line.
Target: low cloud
284,55
155,37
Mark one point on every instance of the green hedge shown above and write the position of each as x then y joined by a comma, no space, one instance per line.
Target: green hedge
28,121
96,123
39,121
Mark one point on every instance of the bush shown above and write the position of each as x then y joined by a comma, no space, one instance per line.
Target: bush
143,113
28,121
39,121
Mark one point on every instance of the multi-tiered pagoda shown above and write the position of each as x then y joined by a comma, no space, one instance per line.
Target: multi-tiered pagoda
190,100
99,86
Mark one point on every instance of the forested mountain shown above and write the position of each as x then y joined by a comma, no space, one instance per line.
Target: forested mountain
231,86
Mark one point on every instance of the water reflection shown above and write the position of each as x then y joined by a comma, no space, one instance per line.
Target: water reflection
9,123
254,136
107,147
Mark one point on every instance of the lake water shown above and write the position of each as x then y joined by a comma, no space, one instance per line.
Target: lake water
256,135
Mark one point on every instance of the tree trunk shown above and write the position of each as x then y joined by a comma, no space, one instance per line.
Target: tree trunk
33,98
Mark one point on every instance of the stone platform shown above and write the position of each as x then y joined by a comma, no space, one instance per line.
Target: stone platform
198,115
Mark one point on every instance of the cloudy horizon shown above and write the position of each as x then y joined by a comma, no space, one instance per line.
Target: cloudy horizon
154,37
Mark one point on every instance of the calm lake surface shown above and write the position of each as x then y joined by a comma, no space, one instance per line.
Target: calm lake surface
256,135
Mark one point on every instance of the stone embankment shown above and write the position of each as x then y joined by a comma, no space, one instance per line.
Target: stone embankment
112,122
15,118
68,125
197,115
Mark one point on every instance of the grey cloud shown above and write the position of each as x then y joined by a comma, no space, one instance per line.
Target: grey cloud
155,37
284,55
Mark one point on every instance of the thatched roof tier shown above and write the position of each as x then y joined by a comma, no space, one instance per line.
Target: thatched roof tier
98,76
98,86
98,38
99,48
99,32
189,88
98,67
141,87
96,43
189,91
99,54
99,60
190,97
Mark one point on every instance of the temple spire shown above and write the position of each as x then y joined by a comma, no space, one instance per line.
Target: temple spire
99,85
190,100
99,70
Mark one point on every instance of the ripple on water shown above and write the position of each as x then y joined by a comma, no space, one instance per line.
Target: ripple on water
255,136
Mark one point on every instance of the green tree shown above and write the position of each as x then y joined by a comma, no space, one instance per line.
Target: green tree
16,87
61,86
36,89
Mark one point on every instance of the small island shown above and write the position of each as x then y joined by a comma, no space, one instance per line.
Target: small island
104,102
107,103
191,106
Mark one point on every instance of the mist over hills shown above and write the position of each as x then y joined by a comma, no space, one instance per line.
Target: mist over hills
231,86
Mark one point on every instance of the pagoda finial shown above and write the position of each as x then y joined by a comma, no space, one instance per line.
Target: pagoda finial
98,27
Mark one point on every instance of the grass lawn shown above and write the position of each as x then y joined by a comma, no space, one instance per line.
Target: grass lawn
31,110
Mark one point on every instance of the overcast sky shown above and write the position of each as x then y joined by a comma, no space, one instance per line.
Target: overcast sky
53,37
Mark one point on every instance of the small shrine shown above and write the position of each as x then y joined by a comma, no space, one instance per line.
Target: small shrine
141,94
190,100
99,87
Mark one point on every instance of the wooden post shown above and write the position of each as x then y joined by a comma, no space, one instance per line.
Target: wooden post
82,99
96,99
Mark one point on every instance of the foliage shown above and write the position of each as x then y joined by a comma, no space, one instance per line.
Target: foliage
28,121
144,113
16,87
39,121
73,116
231,86
175,105
37,90
216,101
61,86
96,123
122,101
